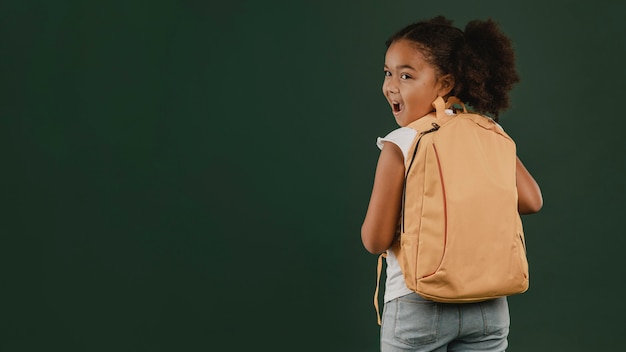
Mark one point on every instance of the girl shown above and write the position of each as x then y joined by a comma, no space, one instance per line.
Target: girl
424,61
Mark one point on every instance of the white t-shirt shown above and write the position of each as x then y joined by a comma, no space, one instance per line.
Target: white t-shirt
395,286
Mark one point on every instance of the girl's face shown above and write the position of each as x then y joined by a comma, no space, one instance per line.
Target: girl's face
411,84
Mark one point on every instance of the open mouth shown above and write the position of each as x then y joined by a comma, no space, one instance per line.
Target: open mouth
397,107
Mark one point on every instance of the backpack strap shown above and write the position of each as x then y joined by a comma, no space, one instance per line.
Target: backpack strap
379,270
441,105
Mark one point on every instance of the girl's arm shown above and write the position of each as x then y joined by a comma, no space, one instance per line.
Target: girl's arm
381,221
529,199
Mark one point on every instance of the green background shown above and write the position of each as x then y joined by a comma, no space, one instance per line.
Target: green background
192,176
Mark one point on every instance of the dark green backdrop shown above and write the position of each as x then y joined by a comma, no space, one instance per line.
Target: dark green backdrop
190,176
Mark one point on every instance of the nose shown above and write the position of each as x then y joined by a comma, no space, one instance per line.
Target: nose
390,86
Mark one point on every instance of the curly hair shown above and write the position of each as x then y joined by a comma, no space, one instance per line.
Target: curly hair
481,59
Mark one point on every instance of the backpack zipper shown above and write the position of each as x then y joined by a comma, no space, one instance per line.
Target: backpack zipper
406,176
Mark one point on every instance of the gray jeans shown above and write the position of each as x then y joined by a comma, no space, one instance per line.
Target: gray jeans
412,323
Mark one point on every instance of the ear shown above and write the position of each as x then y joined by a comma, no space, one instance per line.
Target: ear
446,84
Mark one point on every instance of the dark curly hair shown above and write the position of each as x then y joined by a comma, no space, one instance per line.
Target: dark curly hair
481,59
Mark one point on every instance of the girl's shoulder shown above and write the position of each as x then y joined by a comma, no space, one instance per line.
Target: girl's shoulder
402,137
401,133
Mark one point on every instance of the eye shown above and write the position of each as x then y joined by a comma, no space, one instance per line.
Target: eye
404,76
387,73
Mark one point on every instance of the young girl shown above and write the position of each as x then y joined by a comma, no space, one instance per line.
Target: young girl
424,61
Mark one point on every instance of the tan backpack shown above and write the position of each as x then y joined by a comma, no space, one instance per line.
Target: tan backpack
461,236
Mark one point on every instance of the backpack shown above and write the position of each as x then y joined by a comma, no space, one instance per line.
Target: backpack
461,237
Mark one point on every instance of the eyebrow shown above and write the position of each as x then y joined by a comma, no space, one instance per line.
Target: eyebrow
403,67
